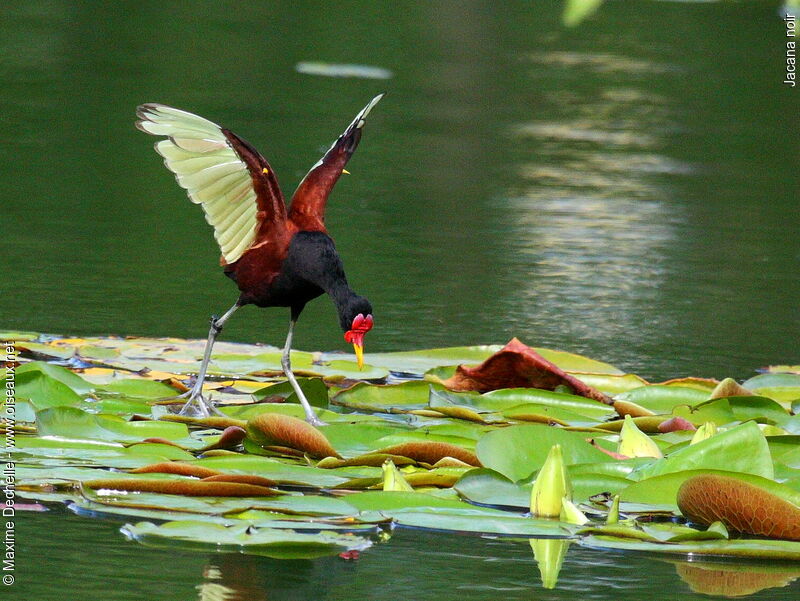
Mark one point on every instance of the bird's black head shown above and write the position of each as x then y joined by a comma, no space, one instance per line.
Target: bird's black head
356,320
351,309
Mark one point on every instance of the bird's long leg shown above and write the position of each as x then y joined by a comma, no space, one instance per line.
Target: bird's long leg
311,417
196,393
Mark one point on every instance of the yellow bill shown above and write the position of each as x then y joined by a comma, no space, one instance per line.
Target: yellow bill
359,355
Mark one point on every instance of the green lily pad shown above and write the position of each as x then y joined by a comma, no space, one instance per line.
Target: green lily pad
508,398
269,542
283,472
762,549
314,388
503,525
662,490
518,451
82,434
661,398
56,372
718,411
387,399
71,422
488,487
612,384
242,364
743,449
43,391
137,387
418,362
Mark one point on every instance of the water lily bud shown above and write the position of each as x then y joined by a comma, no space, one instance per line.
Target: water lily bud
551,486
635,443
393,479
571,514
707,430
613,513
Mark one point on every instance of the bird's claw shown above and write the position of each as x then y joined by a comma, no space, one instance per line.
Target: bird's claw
196,403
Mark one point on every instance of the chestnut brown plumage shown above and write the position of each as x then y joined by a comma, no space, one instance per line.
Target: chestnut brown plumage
277,257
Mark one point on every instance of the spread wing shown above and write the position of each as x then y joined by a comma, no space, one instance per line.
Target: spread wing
309,199
221,172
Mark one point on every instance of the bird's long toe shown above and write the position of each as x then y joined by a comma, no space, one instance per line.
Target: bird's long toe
197,405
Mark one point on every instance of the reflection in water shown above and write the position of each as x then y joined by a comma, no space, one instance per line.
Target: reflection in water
240,577
414,565
549,554
599,62
734,580
592,207
229,583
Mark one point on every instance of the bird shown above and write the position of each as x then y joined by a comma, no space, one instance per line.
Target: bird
278,255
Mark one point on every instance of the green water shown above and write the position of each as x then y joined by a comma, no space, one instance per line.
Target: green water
627,189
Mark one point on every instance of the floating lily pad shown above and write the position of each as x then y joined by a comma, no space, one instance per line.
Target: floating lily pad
741,505
762,549
95,428
743,449
71,422
270,542
661,398
518,451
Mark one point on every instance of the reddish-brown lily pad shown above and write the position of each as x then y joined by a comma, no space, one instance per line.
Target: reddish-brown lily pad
675,424
276,430
517,365
368,459
729,387
231,437
175,467
740,505
242,479
431,451
185,487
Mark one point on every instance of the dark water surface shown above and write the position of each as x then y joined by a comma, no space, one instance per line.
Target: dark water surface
627,189
88,559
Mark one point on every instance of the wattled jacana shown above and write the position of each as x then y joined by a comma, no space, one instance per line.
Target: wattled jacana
277,257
